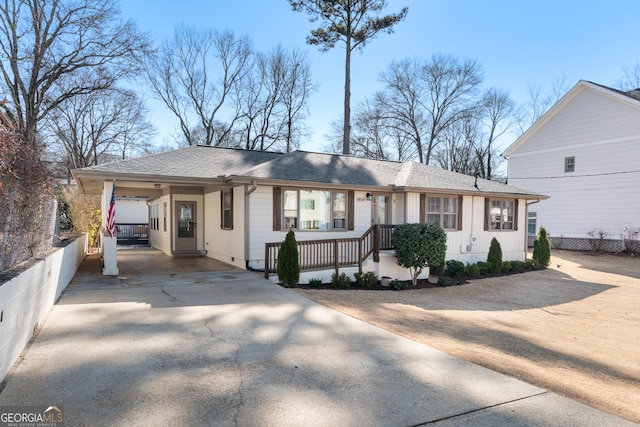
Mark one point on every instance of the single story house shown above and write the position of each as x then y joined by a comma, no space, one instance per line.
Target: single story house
584,154
237,205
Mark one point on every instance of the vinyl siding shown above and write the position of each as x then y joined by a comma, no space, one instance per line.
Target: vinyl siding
603,134
225,245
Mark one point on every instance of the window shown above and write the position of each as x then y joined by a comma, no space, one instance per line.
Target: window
290,209
340,211
164,213
227,209
501,215
569,164
321,210
443,211
532,218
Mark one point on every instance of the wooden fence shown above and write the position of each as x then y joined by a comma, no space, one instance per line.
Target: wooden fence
334,253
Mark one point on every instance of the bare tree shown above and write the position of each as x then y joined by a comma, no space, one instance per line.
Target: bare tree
631,78
273,100
459,150
43,41
180,75
539,102
353,22
99,126
423,98
497,110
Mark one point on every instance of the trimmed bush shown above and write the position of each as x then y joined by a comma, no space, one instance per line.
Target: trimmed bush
542,248
531,264
315,283
398,285
472,270
494,258
483,267
506,267
517,266
454,268
444,281
418,246
340,281
365,280
288,267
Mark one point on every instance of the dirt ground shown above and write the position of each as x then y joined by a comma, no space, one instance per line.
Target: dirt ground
573,328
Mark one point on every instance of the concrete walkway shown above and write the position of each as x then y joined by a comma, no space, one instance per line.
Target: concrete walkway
204,344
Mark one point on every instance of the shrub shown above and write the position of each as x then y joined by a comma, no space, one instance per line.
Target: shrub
398,285
494,258
444,281
454,268
315,283
506,267
84,212
542,248
340,281
418,246
288,267
472,270
483,267
365,280
531,264
517,266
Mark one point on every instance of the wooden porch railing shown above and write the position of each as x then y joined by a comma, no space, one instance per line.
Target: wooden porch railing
334,253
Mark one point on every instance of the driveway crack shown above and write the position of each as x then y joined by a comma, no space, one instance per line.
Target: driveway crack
479,409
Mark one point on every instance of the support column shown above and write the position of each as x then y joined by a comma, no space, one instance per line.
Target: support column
108,244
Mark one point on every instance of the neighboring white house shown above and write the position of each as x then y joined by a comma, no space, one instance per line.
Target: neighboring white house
229,204
585,154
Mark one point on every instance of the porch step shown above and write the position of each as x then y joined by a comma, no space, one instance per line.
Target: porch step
189,254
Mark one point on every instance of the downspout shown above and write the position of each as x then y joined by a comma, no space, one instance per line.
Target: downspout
526,227
247,192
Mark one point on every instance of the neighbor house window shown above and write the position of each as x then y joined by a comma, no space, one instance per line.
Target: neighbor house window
443,211
227,209
501,214
314,210
532,218
569,164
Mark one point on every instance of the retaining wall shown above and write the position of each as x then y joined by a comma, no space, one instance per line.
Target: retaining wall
26,299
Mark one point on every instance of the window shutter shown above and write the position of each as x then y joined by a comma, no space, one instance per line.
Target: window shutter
277,208
486,214
221,209
230,225
423,208
350,210
459,213
515,215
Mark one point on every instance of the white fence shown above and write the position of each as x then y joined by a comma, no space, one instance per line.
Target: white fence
26,299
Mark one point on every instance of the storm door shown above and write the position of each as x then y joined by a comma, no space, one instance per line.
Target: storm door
185,226
380,209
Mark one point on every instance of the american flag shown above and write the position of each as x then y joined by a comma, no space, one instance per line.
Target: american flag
111,215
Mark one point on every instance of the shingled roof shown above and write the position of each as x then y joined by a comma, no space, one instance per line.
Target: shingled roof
229,164
357,171
191,162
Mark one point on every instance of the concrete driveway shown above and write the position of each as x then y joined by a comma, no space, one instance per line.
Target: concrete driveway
210,345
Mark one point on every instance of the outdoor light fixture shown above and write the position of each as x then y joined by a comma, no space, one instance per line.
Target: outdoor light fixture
156,185
368,196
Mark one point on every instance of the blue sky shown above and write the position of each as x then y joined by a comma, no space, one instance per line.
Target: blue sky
518,43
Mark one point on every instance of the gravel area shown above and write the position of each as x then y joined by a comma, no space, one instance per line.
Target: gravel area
573,328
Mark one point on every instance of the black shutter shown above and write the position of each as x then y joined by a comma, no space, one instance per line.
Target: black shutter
350,210
277,208
423,208
459,213
515,215
486,214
